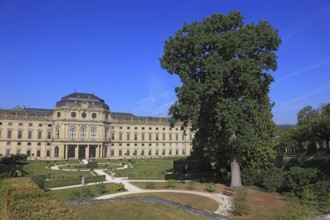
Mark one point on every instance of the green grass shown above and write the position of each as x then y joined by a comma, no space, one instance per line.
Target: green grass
181,186
191,200
148,169
131,210
39,168
64,194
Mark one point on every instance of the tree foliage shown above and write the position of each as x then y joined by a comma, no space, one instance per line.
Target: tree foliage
311,134
223,65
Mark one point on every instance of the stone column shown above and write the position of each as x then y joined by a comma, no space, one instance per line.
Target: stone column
65,151
76,154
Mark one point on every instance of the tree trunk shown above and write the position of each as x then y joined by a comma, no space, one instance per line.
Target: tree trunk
235,173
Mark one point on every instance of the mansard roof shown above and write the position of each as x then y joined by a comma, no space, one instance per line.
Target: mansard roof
76,97
21,110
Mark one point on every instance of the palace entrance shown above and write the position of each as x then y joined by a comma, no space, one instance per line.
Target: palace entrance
82,151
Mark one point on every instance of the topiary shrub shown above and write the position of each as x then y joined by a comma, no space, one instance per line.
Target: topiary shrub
120,187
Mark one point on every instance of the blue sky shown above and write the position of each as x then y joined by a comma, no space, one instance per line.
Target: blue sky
48,49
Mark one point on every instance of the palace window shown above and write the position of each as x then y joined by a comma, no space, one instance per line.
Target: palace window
29,134
73,114
128,136
39,134
135,137
94,115
164,137
9,134
56,151
57,133
49,135
120,136
72,133
93,133
7,153
176,137
20,124
19,134
157,137
112,136
28,153
170,137
48,153
150,136
83,134
142,137
30,124
38,153
10,123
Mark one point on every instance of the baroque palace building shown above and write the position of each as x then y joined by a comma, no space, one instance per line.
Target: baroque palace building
82,126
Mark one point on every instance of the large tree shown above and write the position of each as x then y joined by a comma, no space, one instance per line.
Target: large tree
223,66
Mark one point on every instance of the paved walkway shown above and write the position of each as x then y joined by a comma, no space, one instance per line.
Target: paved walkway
224,201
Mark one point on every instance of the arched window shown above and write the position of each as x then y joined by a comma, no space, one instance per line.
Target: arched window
72,133
83,133
56,152
93,133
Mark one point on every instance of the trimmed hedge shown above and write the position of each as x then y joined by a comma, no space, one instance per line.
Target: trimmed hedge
73,181
22,199
7,171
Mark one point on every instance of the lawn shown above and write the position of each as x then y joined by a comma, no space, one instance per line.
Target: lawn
181,186
64,194
148,169
131,210
264,205
39,168
191,200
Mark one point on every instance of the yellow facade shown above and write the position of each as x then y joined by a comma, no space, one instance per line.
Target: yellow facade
82,126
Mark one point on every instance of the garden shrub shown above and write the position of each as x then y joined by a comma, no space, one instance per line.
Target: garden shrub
120,187
297,178
92,165
75,195
171,184
86,193
39,180
271,179
239,205
191,185
101,188
151,185
210,187
7,171
250,176
22,199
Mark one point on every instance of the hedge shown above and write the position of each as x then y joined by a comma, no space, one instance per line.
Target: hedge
22,199
73,181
